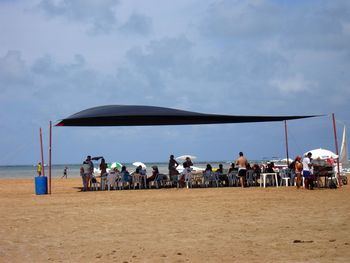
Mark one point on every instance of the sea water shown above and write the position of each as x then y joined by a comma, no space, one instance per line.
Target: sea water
29,171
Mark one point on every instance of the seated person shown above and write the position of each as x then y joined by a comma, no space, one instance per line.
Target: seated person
221,176
154,176
270,167
207,174
182,176
125,175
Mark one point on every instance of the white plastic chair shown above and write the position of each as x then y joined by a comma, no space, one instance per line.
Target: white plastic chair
284,174
122,182
206,178
94,185
112,180
214,179
250,177
188,180
136,180
232,178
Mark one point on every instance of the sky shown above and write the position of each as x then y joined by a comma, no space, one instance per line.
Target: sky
235,57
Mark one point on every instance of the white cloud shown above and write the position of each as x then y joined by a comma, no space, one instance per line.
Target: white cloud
294,84
233,57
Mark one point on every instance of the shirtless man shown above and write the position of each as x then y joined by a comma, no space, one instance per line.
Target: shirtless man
242,168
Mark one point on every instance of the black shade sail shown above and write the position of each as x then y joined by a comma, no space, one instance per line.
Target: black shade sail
136,115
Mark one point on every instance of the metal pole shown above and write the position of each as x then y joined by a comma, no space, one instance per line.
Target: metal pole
50,143
286,136
42,154
336,149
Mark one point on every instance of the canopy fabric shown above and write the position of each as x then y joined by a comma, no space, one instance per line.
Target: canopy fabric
136,115
344,152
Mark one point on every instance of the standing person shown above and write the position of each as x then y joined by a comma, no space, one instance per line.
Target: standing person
64,172
172,168
307,171
88,159
86,171
103,174
188,162
242,168
103,167
88,167
298,168
39,169
82,174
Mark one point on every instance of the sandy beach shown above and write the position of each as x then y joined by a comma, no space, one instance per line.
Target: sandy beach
171,225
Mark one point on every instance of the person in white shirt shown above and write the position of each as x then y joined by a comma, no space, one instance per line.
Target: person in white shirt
307,171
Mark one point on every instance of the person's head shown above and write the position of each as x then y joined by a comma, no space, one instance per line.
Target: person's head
309,154
233,165
123,168
208,166
88,158
220,166
103,160
188,158
171,156
298,158
240,153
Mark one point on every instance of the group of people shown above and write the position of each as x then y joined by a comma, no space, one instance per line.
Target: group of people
209,176
302,168
298,168
123,175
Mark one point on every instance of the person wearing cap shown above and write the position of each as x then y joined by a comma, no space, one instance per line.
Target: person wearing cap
307,171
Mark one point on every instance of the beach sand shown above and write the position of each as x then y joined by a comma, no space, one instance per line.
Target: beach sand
171,225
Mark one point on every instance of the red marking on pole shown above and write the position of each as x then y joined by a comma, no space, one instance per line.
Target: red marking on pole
42,154
286,136
50,148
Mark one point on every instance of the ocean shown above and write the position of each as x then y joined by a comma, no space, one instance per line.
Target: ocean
29,171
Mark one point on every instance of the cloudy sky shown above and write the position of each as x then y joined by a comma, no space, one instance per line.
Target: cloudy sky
252,57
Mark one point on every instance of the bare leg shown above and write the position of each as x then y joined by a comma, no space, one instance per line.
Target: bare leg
298,180
241,179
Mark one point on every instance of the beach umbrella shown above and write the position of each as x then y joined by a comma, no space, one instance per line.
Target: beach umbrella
116,165
322,154
183,157
138,164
